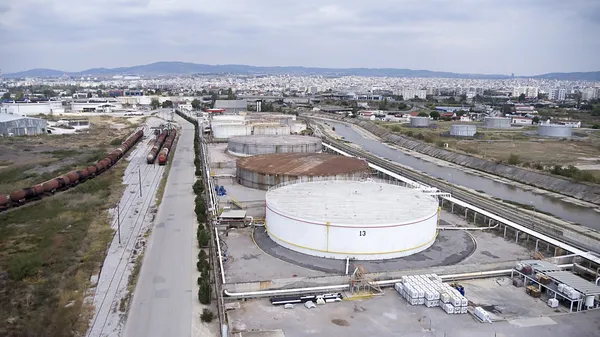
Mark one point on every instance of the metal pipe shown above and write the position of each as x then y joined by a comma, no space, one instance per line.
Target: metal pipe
597,281
347,264
464,276
220,256
443,228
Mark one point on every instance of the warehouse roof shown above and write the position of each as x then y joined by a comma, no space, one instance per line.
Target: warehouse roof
352,203
10,117
233,104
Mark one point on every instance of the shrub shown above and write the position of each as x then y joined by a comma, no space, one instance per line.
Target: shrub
396,128
204,292
202,255
22,266
206,316
198,187
117,141
203,237
513,159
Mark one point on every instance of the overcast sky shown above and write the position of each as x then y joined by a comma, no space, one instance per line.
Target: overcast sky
526,37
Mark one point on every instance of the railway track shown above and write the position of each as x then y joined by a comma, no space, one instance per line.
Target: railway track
508,212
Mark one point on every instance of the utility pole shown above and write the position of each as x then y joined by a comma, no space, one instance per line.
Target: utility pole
119,222
140,179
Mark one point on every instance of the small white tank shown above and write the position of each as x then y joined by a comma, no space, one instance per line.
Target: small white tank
589,301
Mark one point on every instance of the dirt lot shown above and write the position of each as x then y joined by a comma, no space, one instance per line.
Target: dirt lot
500,144
49,248
25,161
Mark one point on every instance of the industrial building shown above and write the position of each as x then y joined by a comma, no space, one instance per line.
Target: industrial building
555,130
265,171
232,106
497,122
463,130
96,105
257,145
226,126
363,220
13,125
32,108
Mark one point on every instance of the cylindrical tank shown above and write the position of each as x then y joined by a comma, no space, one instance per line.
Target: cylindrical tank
73,177
92,170
363,220
38,189
463,130
227,130
497,122
51,185
264,171
21,195
555,130
589,301
3,201
419,122
255,145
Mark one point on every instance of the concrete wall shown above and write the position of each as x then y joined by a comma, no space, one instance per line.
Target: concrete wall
263,181
579,190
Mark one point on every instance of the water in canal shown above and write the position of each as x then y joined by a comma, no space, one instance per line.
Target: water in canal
567,211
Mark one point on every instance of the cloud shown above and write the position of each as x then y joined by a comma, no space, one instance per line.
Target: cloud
521,36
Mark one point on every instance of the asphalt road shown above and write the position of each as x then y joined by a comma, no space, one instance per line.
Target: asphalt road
162,301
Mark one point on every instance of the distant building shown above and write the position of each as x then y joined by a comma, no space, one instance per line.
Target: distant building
557,94
529,92
590,93
13,125
411,93
32,108
233,107
521,121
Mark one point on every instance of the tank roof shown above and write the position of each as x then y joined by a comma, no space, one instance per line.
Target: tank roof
302,164
352,203
274,140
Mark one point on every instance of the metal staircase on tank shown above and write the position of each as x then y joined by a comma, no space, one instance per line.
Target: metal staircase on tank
361,285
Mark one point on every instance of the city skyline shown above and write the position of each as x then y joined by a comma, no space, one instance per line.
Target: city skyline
464,36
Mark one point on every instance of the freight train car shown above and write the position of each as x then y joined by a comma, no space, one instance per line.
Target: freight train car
163,156
158,143
70,179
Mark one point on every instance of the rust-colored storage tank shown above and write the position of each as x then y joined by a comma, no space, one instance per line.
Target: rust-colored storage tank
38,189
3,201
66,180
73,177
91,170
51,185
21,195
83,174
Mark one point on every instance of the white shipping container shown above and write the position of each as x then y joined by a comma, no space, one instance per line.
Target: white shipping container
421,300
463,310
464,302
575,295
456,301
448,308
445,297
561,287
431,304
413,301
553,303
399,287
482,314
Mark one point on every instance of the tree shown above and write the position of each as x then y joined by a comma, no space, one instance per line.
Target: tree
435,115
535,120
230,94
167,104
89,95
423,114
383,105
196,104
99,93
463,98
19,96
451,99
49,93
6,96
155,104
506,108
521,97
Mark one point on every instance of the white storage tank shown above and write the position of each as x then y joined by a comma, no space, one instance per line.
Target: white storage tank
497,122
255,145
227,130
419,122
555,130
463,130
271,129
363,220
